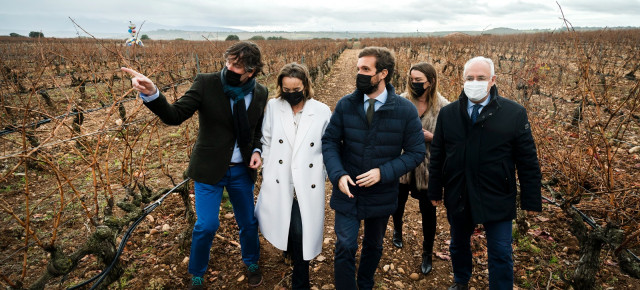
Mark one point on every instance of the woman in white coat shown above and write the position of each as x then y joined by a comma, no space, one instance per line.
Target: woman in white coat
290,207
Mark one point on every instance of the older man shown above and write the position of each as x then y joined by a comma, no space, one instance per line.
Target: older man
374,137
479,142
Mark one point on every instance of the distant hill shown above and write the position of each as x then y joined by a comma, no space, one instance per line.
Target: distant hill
113,29
162,32
243,35
502,30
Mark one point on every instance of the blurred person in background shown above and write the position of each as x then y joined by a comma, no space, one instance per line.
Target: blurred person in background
230,106
290,207
480,141
422,91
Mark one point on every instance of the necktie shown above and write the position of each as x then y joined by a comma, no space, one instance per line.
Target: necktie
474,113
370,110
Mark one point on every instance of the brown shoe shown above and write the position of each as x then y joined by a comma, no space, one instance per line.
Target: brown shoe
255,276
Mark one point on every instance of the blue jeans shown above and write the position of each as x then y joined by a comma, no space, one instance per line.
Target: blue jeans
346,228
239,185
499,248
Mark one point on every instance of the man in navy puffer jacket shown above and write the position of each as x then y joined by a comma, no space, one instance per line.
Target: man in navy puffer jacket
374,137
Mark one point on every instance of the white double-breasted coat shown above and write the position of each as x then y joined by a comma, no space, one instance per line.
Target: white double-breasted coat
293,160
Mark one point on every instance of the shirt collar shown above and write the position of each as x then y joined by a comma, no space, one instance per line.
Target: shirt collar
484,104
382,98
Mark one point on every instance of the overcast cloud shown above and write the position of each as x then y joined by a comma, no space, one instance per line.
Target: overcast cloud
329,15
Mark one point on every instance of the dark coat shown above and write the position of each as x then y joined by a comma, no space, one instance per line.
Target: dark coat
475,164
351,146
216,137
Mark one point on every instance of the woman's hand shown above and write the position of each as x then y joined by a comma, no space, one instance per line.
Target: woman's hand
428,136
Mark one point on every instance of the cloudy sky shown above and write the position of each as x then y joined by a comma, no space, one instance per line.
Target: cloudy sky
50,16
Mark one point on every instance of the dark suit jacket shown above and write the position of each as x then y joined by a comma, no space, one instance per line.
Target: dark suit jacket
476,164
216,138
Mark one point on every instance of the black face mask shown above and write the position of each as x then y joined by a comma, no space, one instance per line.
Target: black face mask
418,89
293,98
232,78
363,84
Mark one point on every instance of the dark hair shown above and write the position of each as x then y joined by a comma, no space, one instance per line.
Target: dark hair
298,71
432,77
248,54
384,59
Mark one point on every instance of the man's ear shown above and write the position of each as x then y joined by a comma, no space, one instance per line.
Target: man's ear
384,73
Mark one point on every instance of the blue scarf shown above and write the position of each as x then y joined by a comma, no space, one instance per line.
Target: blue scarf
240,116
237,93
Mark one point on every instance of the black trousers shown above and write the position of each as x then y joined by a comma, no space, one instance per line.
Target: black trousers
427,210
300,275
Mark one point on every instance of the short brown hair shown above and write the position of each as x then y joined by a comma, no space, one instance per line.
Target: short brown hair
248,54
298,71
384,59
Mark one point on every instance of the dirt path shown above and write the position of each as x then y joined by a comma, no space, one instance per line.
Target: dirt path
340,81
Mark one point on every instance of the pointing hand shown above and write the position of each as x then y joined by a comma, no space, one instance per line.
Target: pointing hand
140,82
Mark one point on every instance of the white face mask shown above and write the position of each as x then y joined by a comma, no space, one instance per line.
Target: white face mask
476,90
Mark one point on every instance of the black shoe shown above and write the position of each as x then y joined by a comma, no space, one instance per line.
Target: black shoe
426,265
397,239
255,276
197,283
458,286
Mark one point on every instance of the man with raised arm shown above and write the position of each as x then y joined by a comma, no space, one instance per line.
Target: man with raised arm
230,106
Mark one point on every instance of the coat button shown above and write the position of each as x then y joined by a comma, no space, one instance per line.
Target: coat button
311,144
280,141
313,186
277,181
311,165
280,161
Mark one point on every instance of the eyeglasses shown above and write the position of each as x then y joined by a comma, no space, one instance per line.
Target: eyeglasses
480,78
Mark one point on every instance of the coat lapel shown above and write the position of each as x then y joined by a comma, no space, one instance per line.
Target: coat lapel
286,117
226,101
304,126
253,106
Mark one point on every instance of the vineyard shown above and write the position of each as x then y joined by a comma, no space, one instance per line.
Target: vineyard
81,159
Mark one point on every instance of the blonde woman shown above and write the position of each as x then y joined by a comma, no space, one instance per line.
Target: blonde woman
290,207
422,91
